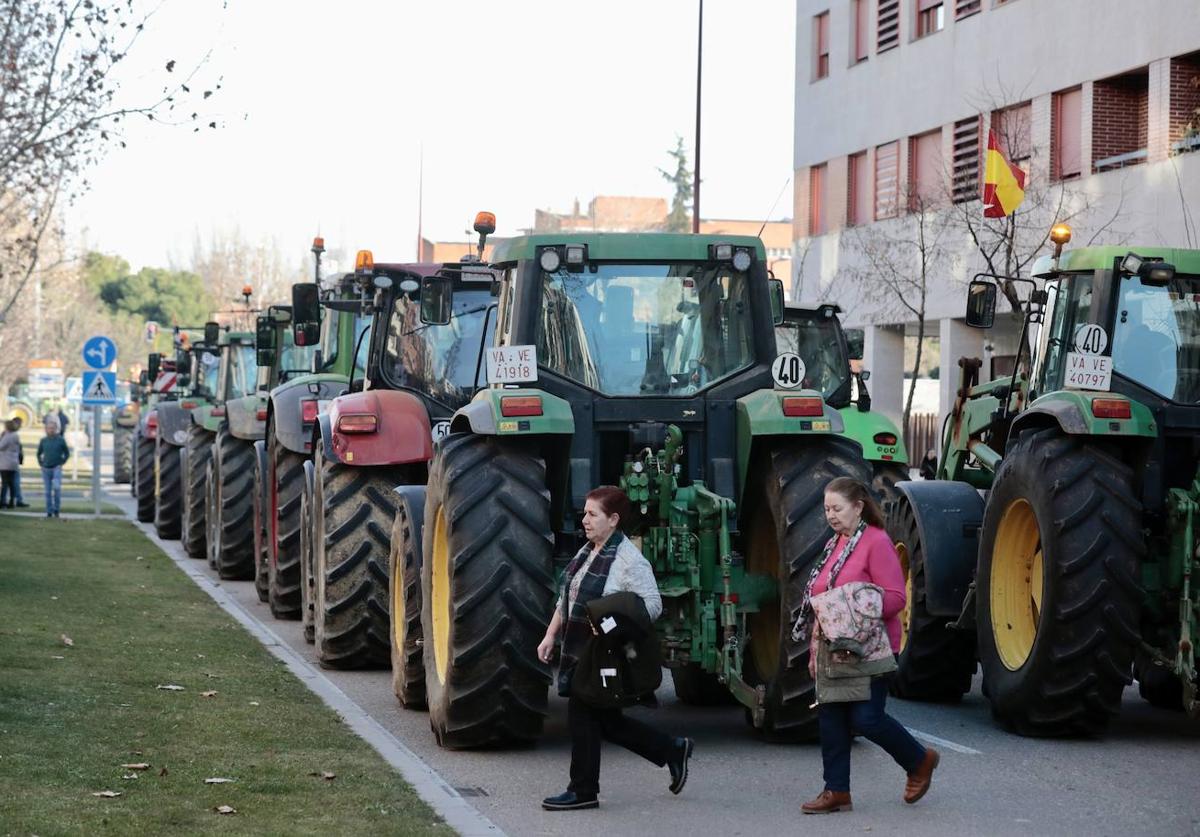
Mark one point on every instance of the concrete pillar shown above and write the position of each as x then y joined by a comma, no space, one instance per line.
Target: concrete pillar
1085,135
958,340
883,356
1158,111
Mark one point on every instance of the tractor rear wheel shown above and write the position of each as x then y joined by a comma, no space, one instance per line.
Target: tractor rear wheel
194,463
697,687
786,536
122,455
487,587
143,485
230,526
308,583
285,483
353,509
1057,590
885,475
404,605
168,496
936,662
262,556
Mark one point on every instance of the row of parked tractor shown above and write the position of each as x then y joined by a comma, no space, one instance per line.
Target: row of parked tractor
399,458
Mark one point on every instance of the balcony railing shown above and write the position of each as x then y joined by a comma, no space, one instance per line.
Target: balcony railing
1120,161
1183,146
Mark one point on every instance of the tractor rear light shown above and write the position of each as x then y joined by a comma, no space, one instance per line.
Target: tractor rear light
885,439
521,405
151,426
261,414
308,410
189,405
806,406
217,412
357,423
1111,408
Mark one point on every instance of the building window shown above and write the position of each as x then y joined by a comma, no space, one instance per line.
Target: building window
816,200
887,180
1066,152
861,29
925,170
1184,132
931,17
821,45
887,25
1120,118
858,197
966,159
1013,128
966,8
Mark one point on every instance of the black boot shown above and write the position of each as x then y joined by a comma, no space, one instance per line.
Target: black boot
569,801
678,765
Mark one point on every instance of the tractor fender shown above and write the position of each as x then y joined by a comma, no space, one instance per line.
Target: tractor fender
242,415
173,422
949,515
484,416
402,434
260,454
864,427
210,417
285,411
761,414
1072,411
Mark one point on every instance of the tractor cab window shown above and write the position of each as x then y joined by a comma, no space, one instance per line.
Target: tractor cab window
1071,308
206,369
293,359
816,340
1156,340
241,370
646,329
438,360
330,330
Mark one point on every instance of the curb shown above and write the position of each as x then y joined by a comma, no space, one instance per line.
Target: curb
429,785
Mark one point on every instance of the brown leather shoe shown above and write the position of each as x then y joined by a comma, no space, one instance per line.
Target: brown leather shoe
918,781
829,802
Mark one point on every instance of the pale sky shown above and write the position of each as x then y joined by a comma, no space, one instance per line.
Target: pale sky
519,105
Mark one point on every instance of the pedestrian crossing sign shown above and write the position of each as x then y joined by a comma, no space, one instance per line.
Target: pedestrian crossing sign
99,387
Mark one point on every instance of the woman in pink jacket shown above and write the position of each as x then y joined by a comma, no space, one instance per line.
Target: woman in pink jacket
860,550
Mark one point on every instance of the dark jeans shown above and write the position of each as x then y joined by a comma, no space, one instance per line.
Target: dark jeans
588,726
839,722
8,488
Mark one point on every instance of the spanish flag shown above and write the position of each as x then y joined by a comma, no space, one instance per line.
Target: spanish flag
1003,183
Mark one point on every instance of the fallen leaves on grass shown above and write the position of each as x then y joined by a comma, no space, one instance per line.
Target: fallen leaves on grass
67,641
57,657
217,780
130,776
254,703
162,772
170,687
208,694
107,794
138,765
225,809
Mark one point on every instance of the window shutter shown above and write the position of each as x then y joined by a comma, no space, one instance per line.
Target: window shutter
887,180
887,30
966,159
966,8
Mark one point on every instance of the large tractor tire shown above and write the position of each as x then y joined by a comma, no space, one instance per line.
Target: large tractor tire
787,535
285,483
936,662
168,496
122,455
230,527
697,687
262,556
194,463
884,477
308,582
144,484
487,589
353,509
1057,590
404,601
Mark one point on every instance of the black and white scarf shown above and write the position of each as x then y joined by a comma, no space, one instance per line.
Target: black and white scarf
578,630
803,627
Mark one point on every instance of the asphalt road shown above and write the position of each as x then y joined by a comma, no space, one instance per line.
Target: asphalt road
1143,777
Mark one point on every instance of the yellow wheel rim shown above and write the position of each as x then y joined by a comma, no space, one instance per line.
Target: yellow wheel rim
1016,584
440,595
906,614
764,626
398,615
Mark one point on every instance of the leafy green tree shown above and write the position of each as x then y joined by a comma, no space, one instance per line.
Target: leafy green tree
680,218
153,293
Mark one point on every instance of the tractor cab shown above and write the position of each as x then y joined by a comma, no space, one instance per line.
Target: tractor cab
276,353
816,335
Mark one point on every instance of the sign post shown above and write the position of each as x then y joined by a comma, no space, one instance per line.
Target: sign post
99,389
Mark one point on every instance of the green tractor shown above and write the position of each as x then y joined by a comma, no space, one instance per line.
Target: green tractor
331,319
1079,569
816,336
645,361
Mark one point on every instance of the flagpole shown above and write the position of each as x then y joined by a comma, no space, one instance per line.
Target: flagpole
420,201
696,174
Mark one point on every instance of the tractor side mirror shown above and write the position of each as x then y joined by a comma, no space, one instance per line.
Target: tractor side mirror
264,341
212,333
854,342
153,365
437,300
306,313
776,287
981,304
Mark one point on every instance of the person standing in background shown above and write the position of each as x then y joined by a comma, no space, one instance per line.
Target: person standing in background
52,454
21,504
10,447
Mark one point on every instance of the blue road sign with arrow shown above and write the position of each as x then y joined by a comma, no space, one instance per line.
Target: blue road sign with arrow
99,387
99,352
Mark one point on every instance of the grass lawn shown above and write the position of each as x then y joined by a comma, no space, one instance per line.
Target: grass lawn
72,714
